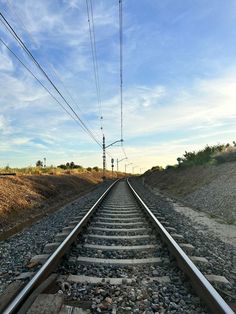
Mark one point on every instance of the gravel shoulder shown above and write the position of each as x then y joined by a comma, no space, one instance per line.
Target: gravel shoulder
225,232
16,251
197,230
209,188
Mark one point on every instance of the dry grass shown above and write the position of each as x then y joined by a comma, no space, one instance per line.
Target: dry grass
25,196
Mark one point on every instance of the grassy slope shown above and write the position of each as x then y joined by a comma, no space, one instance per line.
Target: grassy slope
24,197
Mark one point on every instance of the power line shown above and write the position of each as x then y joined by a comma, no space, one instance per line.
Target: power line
121,67
48,91
121,76
94,56
77,119
14,12
123,149
96,61
68,92
21,43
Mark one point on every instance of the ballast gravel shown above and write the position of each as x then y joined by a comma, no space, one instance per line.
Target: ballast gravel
220,255
137,297
16,251
141,290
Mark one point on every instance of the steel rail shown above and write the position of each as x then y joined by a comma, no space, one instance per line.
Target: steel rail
54,259
203,287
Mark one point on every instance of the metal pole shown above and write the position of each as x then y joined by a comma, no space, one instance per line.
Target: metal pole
112,166
104,156
127,165
104,152
117,165
120,161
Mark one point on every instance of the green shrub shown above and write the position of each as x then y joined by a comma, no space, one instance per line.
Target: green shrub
229,154
169,167
201,157
156,168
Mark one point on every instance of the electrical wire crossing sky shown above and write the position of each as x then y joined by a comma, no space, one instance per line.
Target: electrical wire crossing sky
160,75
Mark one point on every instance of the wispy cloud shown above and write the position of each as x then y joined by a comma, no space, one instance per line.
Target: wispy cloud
179,83
6,63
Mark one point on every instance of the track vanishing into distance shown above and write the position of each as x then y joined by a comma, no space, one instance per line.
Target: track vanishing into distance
117,257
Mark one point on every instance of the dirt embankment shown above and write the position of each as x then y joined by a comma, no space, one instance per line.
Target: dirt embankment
210,188
25,199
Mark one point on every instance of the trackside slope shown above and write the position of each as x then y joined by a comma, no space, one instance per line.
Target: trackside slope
29,197
210,188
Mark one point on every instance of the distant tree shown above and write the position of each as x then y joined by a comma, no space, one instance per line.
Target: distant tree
89,169
62,166
72,165
157,168
39,163
179,159
78,167
96,168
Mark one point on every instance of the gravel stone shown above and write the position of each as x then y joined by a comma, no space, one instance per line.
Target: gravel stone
17,250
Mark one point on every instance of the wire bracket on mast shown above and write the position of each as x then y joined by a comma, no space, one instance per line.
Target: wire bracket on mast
104,153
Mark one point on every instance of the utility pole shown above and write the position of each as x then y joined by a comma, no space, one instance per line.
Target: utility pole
112,166
104,153
44,159
126,165
117,163
104,156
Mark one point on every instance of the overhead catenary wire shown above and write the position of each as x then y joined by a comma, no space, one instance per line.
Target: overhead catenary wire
121,76
92,37
47,90
38,80
121,67
17,15
96,63
14,12
55,73
124,152
21,43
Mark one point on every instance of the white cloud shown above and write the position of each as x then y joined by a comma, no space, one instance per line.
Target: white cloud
6,63
150,110
5,128
198,109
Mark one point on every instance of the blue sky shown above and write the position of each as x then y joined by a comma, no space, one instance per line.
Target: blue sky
179,79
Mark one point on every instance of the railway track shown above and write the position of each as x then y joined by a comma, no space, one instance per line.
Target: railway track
117,257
